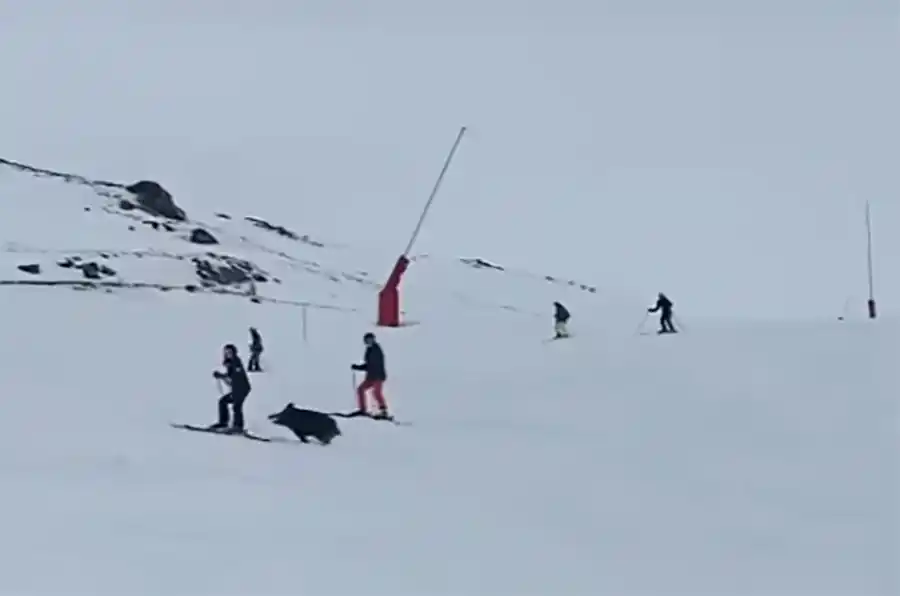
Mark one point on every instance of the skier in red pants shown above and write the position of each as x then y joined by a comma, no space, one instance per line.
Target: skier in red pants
373,365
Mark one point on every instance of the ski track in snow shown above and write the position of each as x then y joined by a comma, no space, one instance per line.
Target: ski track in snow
730,459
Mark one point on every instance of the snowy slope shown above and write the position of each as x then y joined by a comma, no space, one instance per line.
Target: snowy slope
731,459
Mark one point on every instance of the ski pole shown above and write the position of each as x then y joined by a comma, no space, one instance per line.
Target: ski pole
643,322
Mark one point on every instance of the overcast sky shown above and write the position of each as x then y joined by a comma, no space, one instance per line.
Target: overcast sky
721,152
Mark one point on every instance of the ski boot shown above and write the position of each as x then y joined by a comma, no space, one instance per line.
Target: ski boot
382,415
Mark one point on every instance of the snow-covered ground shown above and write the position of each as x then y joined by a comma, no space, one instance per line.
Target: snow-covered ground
732,459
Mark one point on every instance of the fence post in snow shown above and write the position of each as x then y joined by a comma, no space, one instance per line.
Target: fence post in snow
303,319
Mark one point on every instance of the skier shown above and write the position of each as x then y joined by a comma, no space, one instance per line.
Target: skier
256,348
376,375
236,377
561,317
664,305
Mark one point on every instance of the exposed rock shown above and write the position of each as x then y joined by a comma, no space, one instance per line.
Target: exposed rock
91,271
154,199
226,271
223,216
126,205
32,268
107,271
481,264
280,230
70,262
201,236
305,238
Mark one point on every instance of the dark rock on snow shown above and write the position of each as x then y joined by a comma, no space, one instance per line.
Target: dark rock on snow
201,236
280,230
481,264
154,199
228,271
32,268
92,270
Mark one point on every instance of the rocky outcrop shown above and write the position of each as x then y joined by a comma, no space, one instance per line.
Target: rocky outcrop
154,199
32,268
280,230
92,270
227,271
201,236
89,269
283,231
481,264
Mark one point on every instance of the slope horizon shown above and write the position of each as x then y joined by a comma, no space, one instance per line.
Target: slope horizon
626,142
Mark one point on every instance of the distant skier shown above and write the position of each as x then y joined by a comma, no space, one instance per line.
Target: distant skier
376,375
561,318
664,305
256,348
237,380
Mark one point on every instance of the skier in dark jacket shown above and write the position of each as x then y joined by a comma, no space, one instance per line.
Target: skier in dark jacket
236,378
664,305
376,375
256,348
561,317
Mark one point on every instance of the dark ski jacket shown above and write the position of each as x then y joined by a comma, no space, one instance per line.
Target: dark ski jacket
560,315
663,304
235,375
373,364
255,341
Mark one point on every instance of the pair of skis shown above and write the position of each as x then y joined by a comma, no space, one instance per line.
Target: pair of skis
253,437
357,414
226,432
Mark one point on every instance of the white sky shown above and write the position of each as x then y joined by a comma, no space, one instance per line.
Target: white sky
721,152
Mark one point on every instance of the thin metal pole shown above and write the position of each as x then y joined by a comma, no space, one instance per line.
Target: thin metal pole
304,322
434,192
869,252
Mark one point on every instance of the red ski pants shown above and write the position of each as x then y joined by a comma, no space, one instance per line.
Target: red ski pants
375,386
